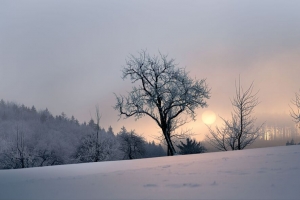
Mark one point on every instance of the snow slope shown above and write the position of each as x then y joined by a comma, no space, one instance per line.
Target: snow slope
265,173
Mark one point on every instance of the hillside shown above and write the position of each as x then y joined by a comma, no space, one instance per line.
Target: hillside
31,138
265,173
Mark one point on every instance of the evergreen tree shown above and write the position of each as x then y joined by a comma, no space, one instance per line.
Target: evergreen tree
153,150
191,147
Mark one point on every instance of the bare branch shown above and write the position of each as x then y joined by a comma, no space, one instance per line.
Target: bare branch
240,131
295,113
165,93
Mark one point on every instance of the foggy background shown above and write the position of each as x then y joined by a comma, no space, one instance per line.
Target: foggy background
67,56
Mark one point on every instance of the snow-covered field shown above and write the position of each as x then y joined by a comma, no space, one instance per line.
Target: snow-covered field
265,173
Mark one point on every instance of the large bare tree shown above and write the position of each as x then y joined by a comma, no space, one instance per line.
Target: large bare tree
240,130
161,91
295,113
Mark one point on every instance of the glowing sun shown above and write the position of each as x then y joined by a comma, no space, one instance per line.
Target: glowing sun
208,117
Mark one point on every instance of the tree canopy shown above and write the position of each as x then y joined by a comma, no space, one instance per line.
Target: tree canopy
161,91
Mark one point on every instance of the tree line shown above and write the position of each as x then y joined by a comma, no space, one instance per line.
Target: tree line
31,138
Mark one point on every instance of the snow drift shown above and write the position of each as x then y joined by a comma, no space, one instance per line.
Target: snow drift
265,173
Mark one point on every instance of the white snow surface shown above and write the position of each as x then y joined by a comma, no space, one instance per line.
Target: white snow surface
264,173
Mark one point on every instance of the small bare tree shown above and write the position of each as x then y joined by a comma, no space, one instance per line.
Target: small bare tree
222,138
295,113
165,93
240,131
96,127
91,150
98,116
20,148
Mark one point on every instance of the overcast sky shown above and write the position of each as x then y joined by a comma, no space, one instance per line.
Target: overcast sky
67,56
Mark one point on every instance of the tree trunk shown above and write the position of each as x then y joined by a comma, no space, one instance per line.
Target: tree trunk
171,150
97,146
241,128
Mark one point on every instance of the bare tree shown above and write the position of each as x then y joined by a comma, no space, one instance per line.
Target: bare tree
295,113
97,132
223,138
87,152
20,148
165,93
98,146
240,131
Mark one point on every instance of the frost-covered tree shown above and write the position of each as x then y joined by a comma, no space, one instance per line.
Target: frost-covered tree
92,149
97,150
191,147
161,91
98,145
18,154
30,138
131,144
295,113
240,131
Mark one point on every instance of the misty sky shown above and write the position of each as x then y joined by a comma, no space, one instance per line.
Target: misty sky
67,56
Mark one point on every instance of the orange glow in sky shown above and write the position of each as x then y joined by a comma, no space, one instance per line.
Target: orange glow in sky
208,117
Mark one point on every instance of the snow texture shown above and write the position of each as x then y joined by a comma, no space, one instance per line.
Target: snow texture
265,173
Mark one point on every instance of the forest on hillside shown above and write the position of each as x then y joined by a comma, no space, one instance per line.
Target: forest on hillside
31,138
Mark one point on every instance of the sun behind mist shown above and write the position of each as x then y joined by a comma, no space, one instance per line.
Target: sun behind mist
208,117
